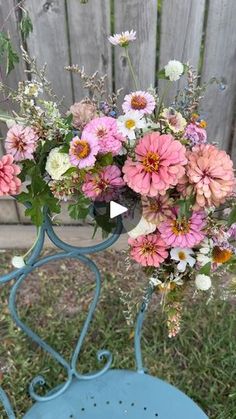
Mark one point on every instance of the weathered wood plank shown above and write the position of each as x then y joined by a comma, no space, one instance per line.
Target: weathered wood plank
9,17
142,17
49,43
89,26
219,61
181,35
232,145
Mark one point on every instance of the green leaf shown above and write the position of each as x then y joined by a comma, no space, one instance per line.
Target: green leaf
70,171
69,137
232,217
69,119
206,269
64,149
26,25
12,58
6,49
162,75
185,206
80,209
106,159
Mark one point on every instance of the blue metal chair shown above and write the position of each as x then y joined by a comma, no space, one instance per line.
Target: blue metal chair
103,394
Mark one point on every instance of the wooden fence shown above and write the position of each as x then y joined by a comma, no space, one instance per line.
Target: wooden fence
66,32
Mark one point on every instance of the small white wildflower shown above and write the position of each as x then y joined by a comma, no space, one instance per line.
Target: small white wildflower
57,163
18,262
33,89
155,281
142,228
204,253
173,70
183,256
203,282
123,39
128,123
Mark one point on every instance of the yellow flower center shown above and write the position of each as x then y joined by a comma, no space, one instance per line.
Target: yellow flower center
151,162
81,149
182,255
138,102
123,41
203,124
221,255
180,226
148,248
130,123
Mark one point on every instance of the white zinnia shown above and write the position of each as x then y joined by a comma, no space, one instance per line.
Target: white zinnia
57,163
174,69
128,123
203,282
142,229
123,39
18,262
183,256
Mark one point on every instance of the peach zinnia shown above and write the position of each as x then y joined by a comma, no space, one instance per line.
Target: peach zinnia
210,171
158,165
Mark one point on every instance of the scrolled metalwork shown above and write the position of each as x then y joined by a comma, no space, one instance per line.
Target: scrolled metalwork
36,261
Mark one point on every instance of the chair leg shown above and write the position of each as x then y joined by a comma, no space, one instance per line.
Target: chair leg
6,404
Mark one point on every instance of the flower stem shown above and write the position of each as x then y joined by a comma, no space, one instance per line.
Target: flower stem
33,245
131,68
165,91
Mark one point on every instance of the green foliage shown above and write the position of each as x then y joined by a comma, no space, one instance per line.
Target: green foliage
80,209
232,217
185,206
7,52
106,159
26,26
37,197
206,269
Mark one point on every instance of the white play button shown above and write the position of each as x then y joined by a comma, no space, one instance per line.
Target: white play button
116,209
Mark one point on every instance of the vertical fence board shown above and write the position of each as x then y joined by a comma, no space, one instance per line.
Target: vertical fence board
49,43
89,26
142,17
219,61
9,24
181,35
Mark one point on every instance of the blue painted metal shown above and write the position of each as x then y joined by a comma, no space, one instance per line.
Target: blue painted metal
105,394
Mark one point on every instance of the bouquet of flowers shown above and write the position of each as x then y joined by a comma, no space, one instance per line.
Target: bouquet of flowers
154,157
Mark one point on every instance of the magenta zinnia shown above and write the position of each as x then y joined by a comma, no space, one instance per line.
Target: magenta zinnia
148,250
158,165
182,231
83,151
103,186
105,131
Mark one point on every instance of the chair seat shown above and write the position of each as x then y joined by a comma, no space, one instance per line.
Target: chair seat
118,394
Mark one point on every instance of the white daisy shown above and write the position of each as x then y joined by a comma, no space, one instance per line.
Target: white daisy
183,256
128,123
123,39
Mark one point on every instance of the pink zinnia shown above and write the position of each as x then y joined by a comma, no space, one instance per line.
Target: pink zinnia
158,165
9,182
196,135
106,132
183,232
21,142
148,250
140,101
103,186
83,151
210,171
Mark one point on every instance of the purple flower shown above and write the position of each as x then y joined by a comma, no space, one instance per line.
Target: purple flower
196,135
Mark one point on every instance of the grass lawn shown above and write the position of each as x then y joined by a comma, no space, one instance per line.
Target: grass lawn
201,361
